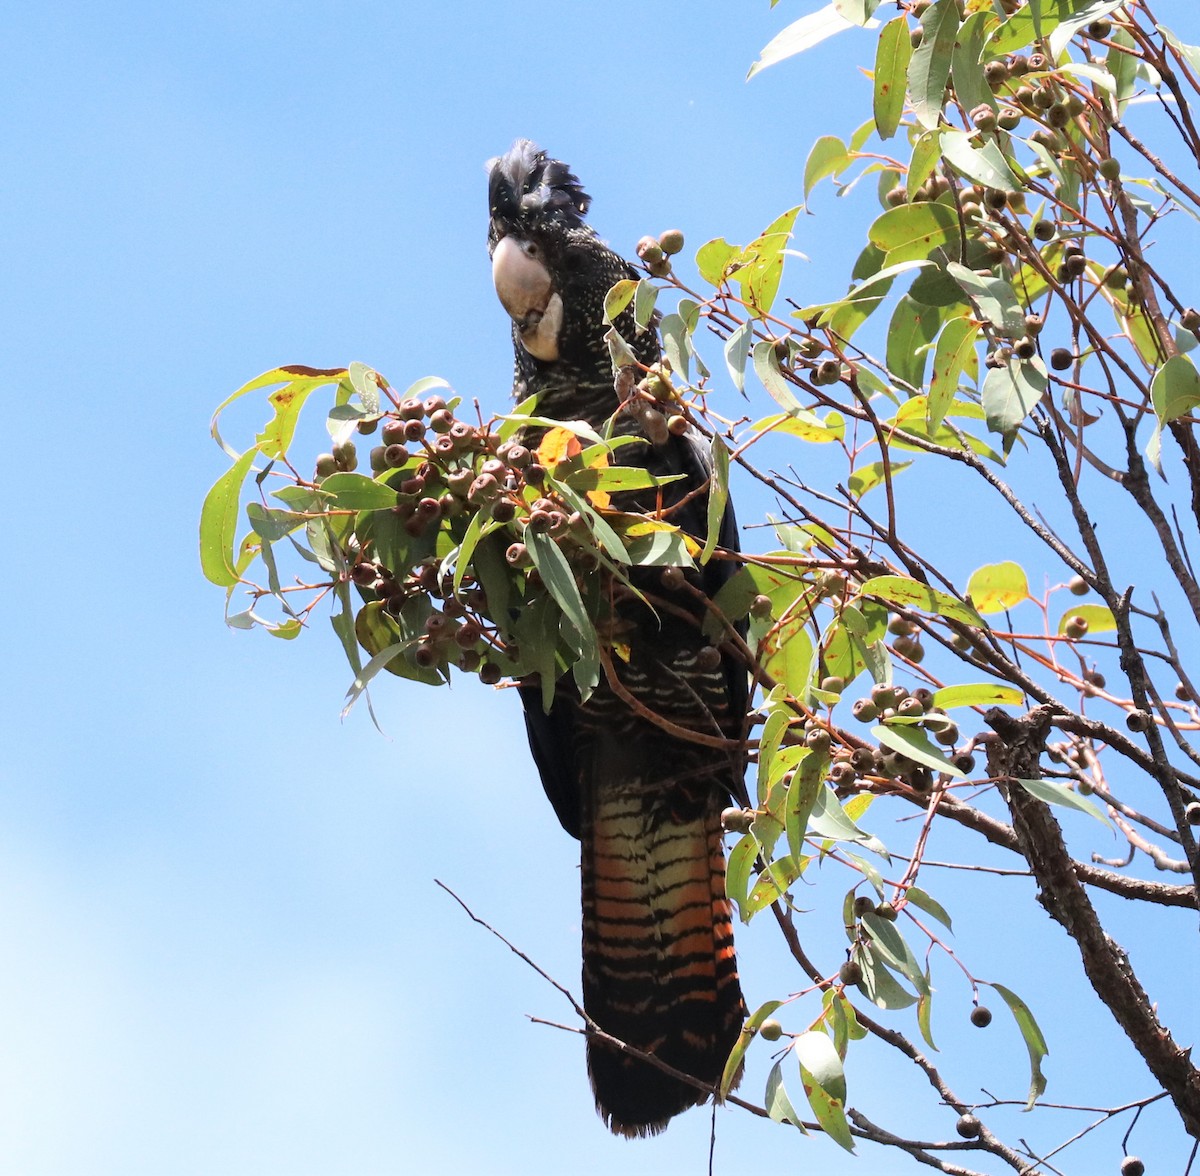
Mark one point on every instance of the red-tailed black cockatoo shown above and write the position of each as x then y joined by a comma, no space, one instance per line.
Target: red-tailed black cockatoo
659,970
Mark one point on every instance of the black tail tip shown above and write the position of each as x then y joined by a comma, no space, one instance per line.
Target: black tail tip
636,1099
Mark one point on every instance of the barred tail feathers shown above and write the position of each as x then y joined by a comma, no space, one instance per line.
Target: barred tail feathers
659,970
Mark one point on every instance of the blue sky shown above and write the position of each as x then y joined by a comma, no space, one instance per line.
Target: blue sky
223,949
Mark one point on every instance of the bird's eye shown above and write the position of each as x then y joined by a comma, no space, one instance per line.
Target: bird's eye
531,249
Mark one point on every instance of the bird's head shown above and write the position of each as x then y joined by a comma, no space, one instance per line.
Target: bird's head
550,269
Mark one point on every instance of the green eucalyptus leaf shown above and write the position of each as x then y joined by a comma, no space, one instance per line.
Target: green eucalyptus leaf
658,546
218,523
954,353
273,525
858,11
365,381
828,156
768,747
911,232
718,496
912,417
1056,792
926,155
802,794
830,820
815,1052
579,428
917,746
343,623
1037,18
805,425
733,1066
924,1015
777,877
894,950
1084,13
737,875
349,491
800,35
735,596
929,68
766,368
620,354
910,333
993,298
644,299
737,352
790,655
717,260
1010,393
1035,1043
892,55
776,1100
930,905
299,382
560,581
970,84
762,267
475,531
983,163
417,389
878,985
614,479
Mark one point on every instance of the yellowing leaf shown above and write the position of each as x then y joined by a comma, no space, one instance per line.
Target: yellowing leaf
901,590
618,298
762,261
1175,390
996,587
1098,618
789,656
557,445
977,694
955,348
804,424
828,157
913,231
824,1085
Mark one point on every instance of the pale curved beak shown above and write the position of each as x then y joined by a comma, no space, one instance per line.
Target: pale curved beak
526,291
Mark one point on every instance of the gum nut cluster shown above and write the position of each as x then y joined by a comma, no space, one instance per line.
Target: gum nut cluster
444,470
889,702
656,252
655,406
906,641
1055,113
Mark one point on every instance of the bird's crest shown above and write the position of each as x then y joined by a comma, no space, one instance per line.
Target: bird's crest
526,185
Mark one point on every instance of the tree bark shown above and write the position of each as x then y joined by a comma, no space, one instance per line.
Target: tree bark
1015,755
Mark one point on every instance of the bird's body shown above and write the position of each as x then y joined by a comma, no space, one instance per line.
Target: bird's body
644,798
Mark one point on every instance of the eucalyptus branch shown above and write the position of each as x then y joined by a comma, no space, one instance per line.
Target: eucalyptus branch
1015,754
